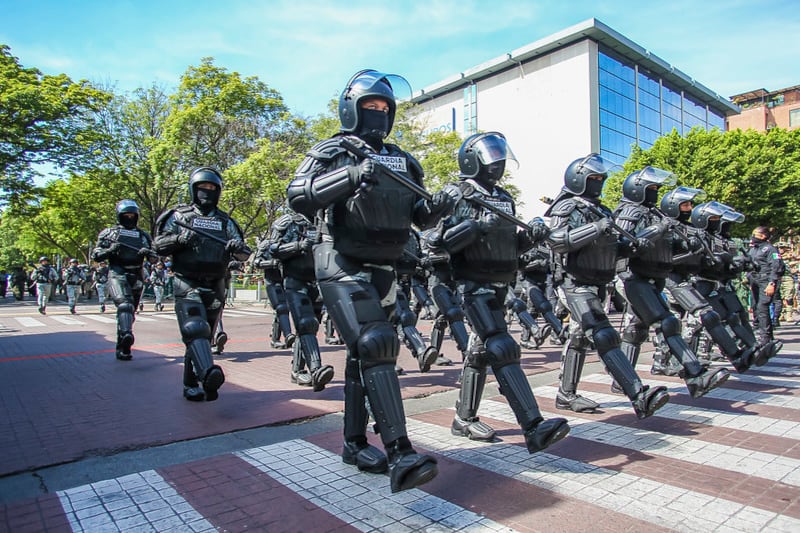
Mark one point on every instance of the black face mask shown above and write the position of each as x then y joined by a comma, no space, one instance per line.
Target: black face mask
489,175
374,127
650,197
129,222
755,240
713,226
206,199
725,229
594,188
684,216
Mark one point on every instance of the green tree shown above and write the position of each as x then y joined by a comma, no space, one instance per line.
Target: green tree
43,120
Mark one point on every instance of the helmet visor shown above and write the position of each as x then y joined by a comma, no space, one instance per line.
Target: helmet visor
493,148
365,81
732,216
657,176
595,164
689,194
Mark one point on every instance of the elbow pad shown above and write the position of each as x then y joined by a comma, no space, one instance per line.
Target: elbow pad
564,240
306,194
166,244
460,236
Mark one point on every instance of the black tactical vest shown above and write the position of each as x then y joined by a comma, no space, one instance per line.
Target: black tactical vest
595,263
205,258
655,261
374,224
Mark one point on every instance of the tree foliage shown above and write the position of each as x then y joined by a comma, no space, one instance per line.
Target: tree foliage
43,120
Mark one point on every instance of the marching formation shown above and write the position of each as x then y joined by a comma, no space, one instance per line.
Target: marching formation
364,249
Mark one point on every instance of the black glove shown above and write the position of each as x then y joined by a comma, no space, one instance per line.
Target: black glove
441,202
114,247
306,245
146,252
642,244
695,244
186,237
235,246
363,174
603,225
539,231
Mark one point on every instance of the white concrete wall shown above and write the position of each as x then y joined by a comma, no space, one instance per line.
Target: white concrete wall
547,111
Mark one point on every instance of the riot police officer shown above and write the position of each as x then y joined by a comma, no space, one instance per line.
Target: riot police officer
125,247
680,284
100,281
484,250
43,276
645,279
74,277
202,239
764,281
273,277
586,247
292,238
364,216
534,272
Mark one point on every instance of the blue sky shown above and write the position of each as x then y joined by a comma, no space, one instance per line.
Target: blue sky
308,49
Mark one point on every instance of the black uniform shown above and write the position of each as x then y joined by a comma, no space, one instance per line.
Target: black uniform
645,280
405,319
273,277
484,250
586,250
291,240
124,247
201,240
768,271
364,217
534,272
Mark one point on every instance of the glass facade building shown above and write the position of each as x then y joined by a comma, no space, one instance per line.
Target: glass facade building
637,107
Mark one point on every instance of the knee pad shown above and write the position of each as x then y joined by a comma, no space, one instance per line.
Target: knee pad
516,305
377,345
308,325
125,307
195,328
282,309
502,350
710,319
635,334
606,339
671,326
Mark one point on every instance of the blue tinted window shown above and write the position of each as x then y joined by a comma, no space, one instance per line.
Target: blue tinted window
716,121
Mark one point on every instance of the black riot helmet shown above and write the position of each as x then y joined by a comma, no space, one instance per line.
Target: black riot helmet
205,199
124,207
708,216
671,202
637,186
576,177
728,219
44,258
483,157
371,84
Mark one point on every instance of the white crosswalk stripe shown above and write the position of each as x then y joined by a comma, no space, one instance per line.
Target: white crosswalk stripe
69,321
103,319
139,502
29,322
362,500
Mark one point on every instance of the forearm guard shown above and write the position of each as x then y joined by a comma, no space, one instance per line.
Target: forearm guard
307,194
564,239
460,236
166,244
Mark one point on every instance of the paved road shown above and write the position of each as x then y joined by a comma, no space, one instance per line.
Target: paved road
88,443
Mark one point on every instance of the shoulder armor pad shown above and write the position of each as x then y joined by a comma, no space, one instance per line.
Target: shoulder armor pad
629,211
106,233
163,217
328,149
282,223
562,208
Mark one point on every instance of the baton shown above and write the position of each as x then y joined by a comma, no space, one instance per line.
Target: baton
208,235
625,233
468,190
680,229
358,152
